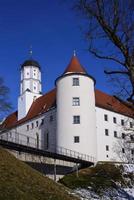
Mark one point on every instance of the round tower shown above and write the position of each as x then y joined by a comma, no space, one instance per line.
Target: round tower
76,121
30,86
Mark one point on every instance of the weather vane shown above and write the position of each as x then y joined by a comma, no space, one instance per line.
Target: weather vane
74,52
30,51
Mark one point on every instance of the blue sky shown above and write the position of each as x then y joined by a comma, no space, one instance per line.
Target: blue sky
53,30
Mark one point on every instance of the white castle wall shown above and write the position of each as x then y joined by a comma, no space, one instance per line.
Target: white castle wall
86,130
115,143
28,136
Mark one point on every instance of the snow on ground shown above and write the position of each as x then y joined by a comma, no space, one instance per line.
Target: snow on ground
114,194
121,194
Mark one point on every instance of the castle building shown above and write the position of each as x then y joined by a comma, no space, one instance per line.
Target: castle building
72,116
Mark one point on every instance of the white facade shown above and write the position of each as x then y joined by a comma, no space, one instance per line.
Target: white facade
110,141
83,131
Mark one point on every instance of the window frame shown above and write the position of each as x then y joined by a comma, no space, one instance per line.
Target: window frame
75,101
106,132
76,81
76,119
107,147
76,139
115,134
114,120
106,117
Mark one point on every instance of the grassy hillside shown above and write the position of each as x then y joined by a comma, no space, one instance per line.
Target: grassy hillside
18,181
99,178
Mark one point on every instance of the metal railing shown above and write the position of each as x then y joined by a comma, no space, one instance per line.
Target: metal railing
26,140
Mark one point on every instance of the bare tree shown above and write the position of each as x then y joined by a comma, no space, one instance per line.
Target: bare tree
124,145
5,105
109,30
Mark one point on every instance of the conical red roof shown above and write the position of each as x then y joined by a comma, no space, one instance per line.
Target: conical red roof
75,66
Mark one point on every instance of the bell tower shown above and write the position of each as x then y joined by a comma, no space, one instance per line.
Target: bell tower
30,86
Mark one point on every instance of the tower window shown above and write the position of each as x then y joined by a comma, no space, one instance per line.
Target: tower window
114,120
106,132
76,119
27,73
34,88
107,148
76,139
105,117
76,101
75,81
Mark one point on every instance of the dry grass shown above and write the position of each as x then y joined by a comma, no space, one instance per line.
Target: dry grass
18,181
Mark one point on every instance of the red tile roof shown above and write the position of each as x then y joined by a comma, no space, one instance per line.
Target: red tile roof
39,106
48,101
113,104
75,66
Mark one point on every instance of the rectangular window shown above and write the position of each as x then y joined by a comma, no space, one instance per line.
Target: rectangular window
76,101
105,117
75,81
42,121
132,151
115,133
123,135
32,125
123,150
122,122
76,139
131,125
106,132
37,123
27,127
114,120
47,140
132,137
76,119
27,140
51,118
107,148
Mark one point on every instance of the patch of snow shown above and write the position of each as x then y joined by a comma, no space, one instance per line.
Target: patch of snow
120,194
128,168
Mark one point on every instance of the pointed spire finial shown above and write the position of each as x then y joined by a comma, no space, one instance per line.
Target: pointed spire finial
30,51
74,52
